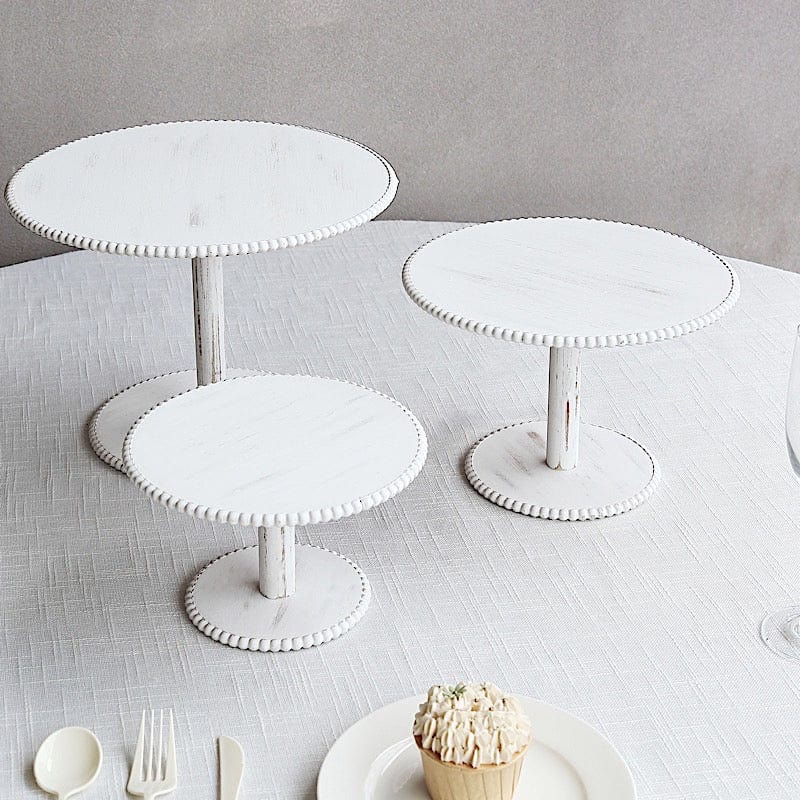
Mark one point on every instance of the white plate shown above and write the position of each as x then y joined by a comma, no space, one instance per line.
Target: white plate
376,759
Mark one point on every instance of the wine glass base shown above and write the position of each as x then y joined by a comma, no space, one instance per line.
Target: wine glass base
780,631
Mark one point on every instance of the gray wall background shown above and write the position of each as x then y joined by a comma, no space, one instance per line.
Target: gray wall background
679,115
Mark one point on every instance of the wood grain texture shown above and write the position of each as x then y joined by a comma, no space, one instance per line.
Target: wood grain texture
110,424
645,624
563,408
223,601
201,188
614,475
567,284
209,319
564,282
276,561
275,450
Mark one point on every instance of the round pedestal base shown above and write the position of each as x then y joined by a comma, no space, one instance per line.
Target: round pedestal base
614,473
224,602
780,631
111,422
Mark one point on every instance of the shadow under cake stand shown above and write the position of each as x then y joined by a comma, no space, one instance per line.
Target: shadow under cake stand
196,190
567,284
275,452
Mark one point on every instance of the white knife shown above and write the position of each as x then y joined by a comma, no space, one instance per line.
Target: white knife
231,766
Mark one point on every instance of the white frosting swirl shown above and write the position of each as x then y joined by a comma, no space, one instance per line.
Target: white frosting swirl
472,724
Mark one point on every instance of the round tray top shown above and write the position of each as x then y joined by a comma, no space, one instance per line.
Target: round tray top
562,282
275,450
197,189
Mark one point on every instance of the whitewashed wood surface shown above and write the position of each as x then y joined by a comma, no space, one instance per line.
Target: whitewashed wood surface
276,561
613,475
202,188
645,625
570,282
563,408
209,319
225,603
111,422
275,450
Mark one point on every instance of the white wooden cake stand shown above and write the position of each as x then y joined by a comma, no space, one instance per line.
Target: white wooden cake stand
567,284
196,190
274,452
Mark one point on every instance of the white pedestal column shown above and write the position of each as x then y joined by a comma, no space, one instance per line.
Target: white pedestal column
226,600
533,467
276,562
563,408
209,319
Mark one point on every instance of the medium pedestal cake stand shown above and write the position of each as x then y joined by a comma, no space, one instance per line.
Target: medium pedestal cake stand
274,452
196,190
567,284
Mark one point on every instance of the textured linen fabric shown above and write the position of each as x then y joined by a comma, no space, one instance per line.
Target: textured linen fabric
646,625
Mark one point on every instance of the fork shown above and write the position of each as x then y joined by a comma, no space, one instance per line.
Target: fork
157,774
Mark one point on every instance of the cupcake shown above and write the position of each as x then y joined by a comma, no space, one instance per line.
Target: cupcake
472,739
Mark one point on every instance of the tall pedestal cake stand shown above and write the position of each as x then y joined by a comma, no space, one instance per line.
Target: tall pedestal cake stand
199,191
567,284
274,452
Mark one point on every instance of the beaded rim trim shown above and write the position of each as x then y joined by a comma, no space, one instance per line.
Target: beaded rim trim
205,250
252,519
552,340
558,512
262,645
100,449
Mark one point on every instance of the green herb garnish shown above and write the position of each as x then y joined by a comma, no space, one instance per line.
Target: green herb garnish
456,692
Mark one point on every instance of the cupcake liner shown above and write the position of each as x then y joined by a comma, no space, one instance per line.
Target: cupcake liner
448,781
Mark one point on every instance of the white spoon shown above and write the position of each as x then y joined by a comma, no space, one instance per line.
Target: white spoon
67,762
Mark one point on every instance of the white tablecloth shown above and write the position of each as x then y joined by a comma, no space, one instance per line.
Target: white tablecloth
646,625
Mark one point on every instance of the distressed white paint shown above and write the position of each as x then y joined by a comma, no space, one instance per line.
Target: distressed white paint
112,421
187,189
614,473
209,319
563,408
570,282
275,450
567,284
197,190
224,602
680,582
276,562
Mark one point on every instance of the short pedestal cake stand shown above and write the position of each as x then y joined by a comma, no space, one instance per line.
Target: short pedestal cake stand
196,190
275,452
567,284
